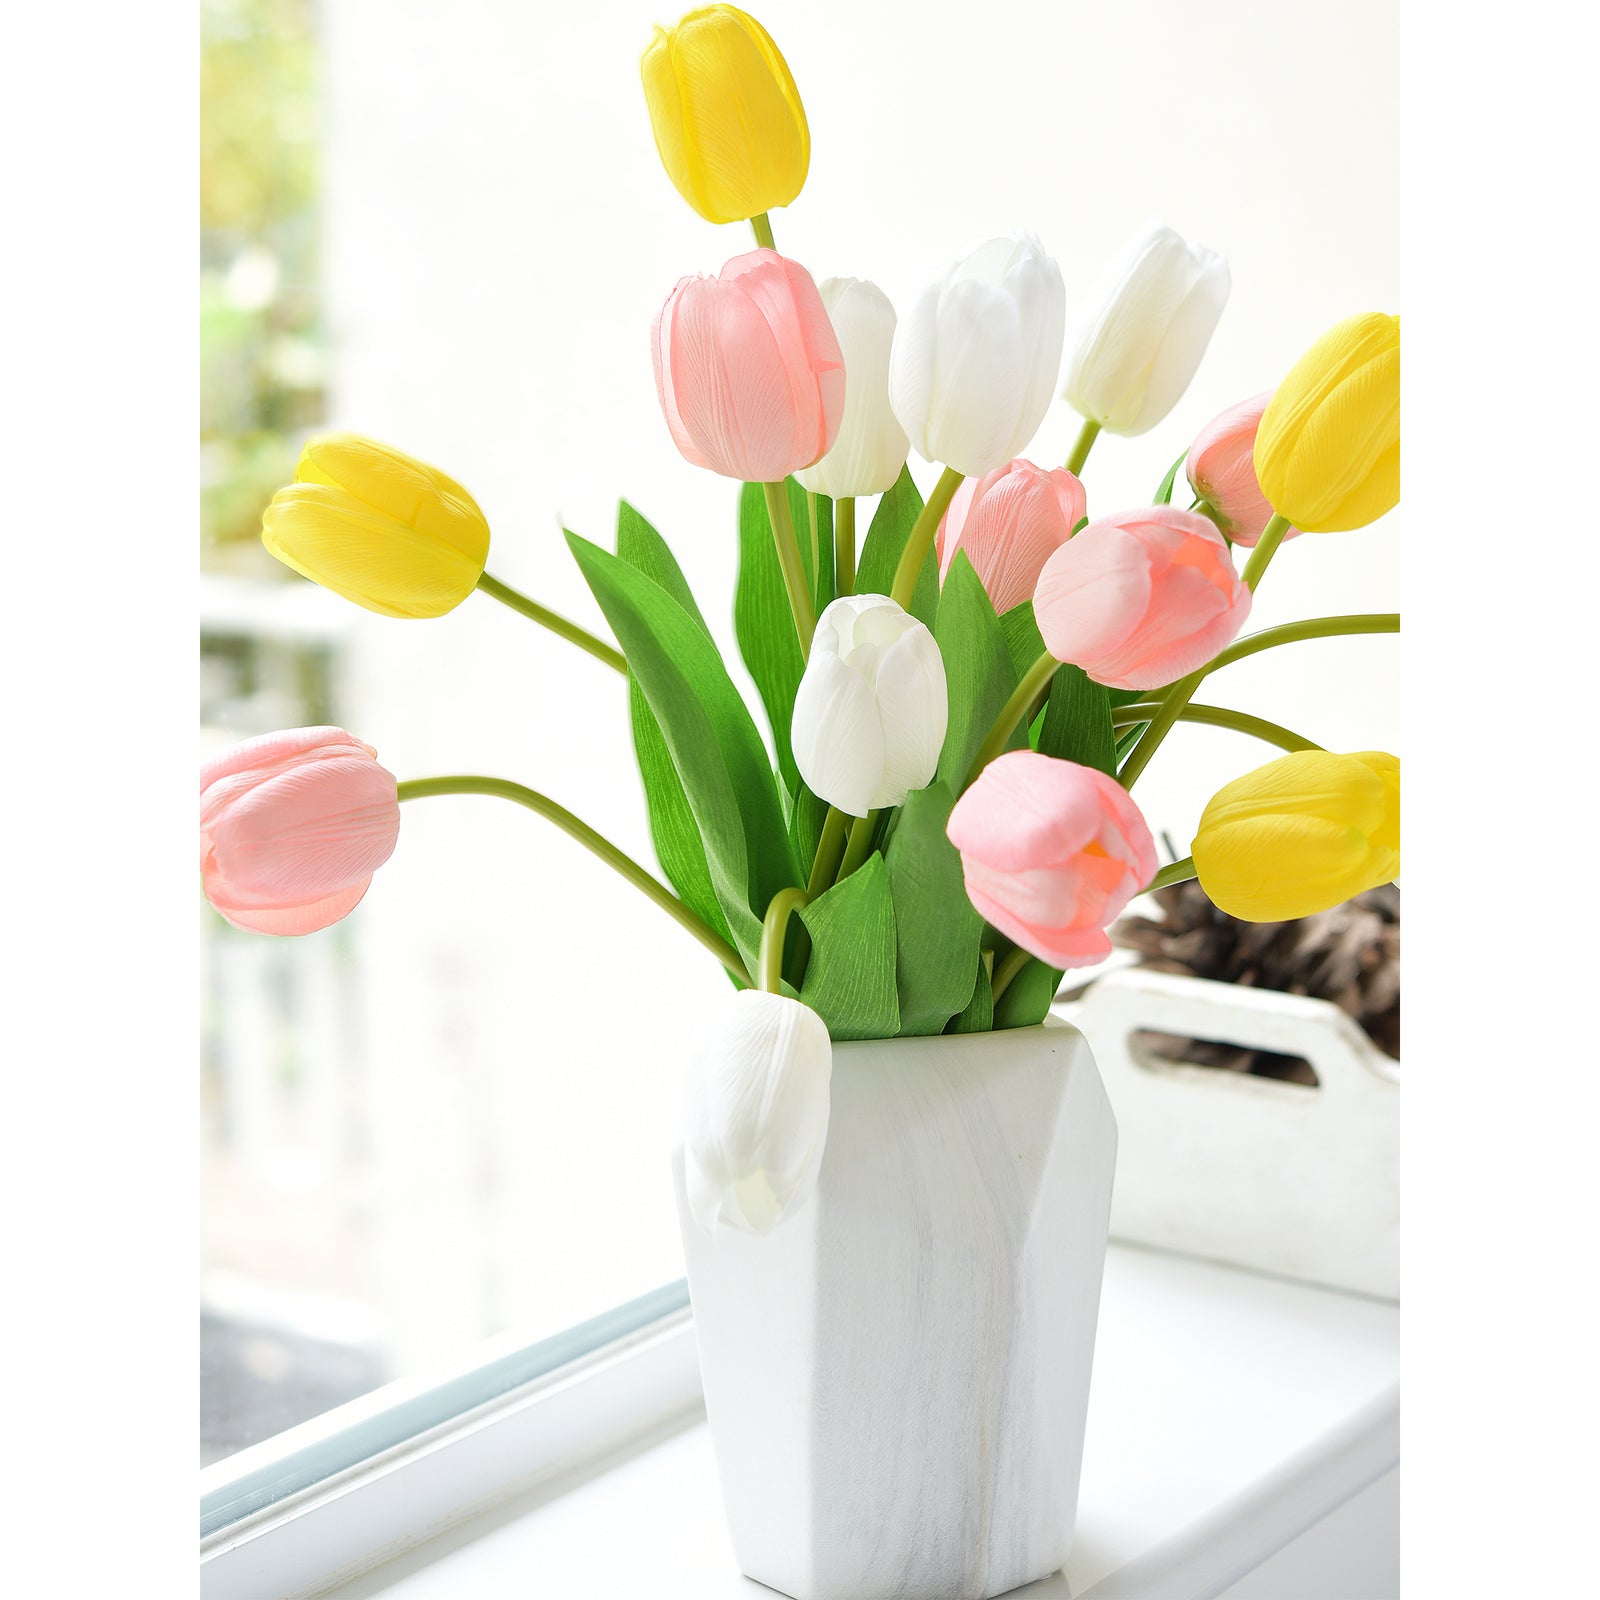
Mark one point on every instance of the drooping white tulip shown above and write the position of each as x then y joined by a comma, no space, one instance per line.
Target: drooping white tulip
976,359
1159,304
870,712
871,446
756,1113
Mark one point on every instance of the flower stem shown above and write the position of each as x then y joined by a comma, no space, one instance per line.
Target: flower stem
1174,872
1007,970
503,788
762,229
858,846
1216,717
844,545
1022,705
1271,538
1312,628
921,540
598,648
1087,434
829,848
774,928
794,574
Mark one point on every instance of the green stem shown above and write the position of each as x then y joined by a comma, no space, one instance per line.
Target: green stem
921,540
570,631
774,927
1215,717
1007,970
1022,705
1271,538
1312,628
1174,872
504,789
844,545
794,574
859,845
763,231
829,848
1087,434
816,543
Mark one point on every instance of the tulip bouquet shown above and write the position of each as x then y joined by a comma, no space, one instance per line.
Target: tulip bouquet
960,701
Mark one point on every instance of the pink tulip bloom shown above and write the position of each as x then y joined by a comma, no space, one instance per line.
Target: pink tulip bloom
292,827
1051,852
1010,521
1141,598
1222,470
748,369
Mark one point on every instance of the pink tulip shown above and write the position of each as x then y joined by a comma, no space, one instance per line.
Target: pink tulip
748,369
292,827
1141,598
1010,521
1051,852
1222,471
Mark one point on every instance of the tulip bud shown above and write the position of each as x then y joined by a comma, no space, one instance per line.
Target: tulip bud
976,360
292,827
1222,471
870,712
1142,598
1328,449
727,117
1301,834
1010,522
756,1113
1159,305
871,446
748,370
378,527
1051,852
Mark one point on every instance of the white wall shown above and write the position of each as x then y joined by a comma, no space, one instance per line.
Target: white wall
499,234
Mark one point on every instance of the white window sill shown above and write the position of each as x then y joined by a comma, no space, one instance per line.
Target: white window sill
1243,1440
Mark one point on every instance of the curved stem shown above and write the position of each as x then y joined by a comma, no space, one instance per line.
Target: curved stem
1007,970
577,828
762,229
844,545
1266,545
829,847
921,540
858,847
545,617
774,928
1035,685
1313,628
1216,717
1087,434
1174,872
794,574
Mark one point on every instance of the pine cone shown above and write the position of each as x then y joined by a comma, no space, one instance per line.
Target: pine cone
1349,955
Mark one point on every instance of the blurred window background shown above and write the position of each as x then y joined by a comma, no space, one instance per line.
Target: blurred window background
447,1119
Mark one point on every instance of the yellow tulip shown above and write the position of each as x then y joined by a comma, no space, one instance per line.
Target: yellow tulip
379,527
1301,834
727,116
1327,452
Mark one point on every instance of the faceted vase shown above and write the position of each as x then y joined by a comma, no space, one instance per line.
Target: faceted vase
896,1378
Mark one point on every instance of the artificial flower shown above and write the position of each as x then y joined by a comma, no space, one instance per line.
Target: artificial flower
1010,522
1221,469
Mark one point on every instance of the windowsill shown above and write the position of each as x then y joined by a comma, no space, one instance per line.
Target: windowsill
1231,1414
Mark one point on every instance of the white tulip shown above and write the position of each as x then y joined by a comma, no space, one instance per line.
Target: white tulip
756,1113
870,447
1159,305
975,362
870,712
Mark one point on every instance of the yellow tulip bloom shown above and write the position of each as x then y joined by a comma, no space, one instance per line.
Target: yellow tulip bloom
379,527
1327,452
1301,834
727,117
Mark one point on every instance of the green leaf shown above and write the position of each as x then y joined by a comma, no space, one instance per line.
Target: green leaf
892,522
977,668
715,748
1028,996
806,816
977,1016
819,571
1077,722
1164,493
1022,637
938,928
764,625
646,551
850,979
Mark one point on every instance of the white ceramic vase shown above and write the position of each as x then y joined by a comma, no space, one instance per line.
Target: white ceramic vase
896,1379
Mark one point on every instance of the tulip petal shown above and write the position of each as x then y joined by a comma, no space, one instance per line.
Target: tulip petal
837,735
913,708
